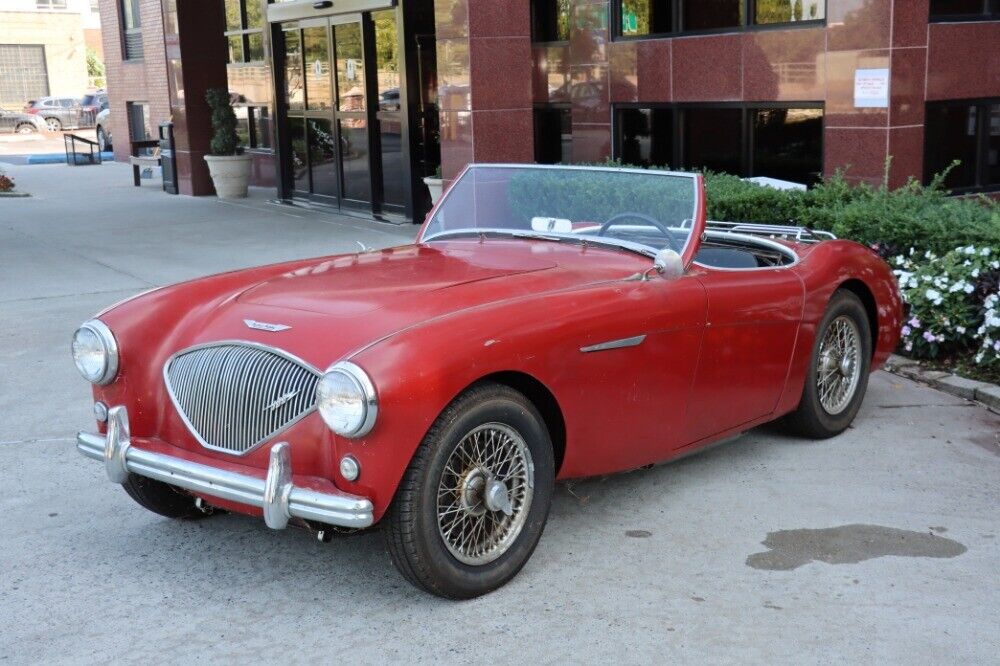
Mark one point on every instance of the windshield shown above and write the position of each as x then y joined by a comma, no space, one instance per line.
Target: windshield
639,210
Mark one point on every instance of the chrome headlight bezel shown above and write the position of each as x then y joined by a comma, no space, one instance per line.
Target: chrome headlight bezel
361,383
109,350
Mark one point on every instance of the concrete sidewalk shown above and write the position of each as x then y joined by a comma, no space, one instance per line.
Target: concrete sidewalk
881,545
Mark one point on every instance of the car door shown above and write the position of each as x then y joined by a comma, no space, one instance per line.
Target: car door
70,114
751,328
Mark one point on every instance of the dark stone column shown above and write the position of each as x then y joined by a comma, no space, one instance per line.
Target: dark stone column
196,61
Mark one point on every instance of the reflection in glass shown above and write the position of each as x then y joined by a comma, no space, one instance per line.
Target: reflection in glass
261,127
646,17
255,47
323,157
788,144
951,135
242,124
255,18
786,11
553,135
317,64
645,137
711,14
294,90
350,67
235,43
390,133
970,8
299,154
386,60
713,139
233,19
354,157
550,20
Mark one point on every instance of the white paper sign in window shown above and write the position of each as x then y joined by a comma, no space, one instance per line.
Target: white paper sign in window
871,88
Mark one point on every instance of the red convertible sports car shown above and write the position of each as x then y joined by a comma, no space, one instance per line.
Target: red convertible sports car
549,323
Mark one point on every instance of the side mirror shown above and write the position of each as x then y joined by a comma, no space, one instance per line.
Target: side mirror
668,264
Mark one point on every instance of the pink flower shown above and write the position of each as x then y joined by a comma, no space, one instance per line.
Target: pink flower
929,337
906,330
914,322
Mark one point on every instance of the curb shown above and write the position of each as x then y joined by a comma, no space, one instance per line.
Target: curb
969,389
60,158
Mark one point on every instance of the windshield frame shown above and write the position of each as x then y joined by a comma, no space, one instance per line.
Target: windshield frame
688,252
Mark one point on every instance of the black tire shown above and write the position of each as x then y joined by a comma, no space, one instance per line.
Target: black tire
26,128
161,498
811,418
411,528
54,124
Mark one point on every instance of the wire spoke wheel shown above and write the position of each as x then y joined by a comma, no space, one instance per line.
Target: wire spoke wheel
484,494
839,369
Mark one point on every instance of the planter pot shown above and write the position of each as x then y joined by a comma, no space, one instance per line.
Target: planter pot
435,185
230,175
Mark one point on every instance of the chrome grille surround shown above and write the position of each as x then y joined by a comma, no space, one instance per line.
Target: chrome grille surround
235,395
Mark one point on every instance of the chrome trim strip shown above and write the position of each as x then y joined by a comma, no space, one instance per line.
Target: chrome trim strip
276,495
614,344
262,372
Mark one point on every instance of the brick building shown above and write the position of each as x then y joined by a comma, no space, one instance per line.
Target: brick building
43,49
348,104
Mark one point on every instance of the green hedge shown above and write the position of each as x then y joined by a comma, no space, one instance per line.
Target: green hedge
925,218
913,216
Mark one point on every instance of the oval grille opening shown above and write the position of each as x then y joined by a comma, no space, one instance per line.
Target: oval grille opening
235,396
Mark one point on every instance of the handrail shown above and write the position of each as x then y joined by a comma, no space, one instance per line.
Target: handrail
76,157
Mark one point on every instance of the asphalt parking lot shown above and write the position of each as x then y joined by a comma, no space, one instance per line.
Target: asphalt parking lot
881,545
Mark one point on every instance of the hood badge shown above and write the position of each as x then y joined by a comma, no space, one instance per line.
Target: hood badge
264,326
281,400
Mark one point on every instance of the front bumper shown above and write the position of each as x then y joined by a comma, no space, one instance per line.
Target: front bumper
276,495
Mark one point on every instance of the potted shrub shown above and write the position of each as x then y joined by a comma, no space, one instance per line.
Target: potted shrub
227,164
435,185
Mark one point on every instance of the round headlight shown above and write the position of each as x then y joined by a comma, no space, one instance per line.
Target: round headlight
95,352
345,398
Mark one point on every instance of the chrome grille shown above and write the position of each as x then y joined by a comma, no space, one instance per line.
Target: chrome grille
234,396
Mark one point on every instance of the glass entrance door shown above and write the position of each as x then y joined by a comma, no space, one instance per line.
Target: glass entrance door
329,155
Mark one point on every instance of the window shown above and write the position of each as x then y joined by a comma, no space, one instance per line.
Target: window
550,20
965,10
553,135
131,23
644,18
138,123
50,4
776,141
248,72
23,75
967,131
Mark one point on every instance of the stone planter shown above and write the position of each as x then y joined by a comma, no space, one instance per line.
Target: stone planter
435,185
230,175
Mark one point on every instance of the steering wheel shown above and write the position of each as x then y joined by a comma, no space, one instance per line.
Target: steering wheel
645,218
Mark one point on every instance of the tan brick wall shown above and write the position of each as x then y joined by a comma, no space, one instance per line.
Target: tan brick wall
65,47
135,81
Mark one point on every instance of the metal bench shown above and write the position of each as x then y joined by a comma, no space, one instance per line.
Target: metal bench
140,162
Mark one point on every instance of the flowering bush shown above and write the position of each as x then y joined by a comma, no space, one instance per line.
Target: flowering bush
6,183
953,302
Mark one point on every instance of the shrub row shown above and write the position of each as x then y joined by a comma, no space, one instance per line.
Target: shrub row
925,218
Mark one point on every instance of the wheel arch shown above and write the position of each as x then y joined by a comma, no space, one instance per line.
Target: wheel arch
867,298
544,401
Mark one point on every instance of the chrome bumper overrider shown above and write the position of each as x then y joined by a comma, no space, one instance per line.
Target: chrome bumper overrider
279,498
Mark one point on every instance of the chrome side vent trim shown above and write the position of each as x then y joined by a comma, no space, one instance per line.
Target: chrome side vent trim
234,396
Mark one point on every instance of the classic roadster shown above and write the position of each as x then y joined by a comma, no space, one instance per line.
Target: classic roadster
548,323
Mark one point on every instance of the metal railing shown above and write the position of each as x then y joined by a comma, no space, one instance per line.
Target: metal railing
80,151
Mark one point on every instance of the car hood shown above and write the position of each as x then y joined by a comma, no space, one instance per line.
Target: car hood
360,284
